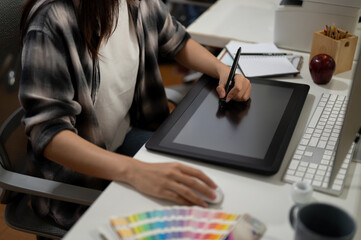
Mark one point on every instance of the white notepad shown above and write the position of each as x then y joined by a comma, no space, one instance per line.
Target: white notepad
259,66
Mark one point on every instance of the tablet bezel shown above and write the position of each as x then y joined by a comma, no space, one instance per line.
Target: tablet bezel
162,139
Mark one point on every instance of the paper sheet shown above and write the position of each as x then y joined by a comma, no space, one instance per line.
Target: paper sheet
260,66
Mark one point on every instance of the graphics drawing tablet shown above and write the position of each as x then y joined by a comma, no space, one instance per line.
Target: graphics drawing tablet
251,136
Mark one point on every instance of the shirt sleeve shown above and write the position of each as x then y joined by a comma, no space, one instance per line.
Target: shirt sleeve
46,90
172,34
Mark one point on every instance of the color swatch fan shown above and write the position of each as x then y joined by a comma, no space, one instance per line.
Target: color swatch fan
175,223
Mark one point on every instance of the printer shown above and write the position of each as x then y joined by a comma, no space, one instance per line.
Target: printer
297,20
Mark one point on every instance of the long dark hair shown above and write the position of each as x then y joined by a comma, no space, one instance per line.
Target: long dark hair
92,15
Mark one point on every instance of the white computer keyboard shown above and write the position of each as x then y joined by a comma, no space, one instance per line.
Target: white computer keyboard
313,158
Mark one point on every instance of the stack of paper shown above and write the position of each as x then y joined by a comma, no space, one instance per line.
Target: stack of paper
259,65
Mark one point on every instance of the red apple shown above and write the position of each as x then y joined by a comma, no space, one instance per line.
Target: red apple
322,67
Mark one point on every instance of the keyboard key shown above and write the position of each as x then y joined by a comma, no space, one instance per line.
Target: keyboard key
322,144
325,162
308,176
322,167
311,171
315,117
302,148
337,187
292,179
313,165
316,183
313,142
309,130
304,164
308,154
294,164
302,169
304,141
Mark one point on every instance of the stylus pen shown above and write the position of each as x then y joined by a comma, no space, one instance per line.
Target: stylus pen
231,76
266,54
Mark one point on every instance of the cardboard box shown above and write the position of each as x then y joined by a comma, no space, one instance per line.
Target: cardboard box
342,50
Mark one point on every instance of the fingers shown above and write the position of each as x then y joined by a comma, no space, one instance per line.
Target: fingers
173,181
184,195
189,179
196,173
173,196
189,185
241,90
220,90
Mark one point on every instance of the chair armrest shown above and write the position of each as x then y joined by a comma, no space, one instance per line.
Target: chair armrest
46,188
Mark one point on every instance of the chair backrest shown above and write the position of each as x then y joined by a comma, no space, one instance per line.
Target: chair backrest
10,13
12,140
13,148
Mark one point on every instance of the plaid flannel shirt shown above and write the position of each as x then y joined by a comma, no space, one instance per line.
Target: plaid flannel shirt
60,81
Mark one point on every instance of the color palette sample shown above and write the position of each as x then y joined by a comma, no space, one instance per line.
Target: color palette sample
175,223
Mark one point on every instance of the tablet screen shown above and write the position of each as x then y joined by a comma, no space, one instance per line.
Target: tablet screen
252,135
241,128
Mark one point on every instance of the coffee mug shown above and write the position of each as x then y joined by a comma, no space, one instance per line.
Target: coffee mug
321,221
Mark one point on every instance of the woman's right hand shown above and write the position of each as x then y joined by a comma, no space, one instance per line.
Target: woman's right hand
172,181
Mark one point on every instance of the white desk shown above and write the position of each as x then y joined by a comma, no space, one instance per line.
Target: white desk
266,198
244,20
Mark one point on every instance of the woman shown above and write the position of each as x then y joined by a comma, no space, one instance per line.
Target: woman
92,94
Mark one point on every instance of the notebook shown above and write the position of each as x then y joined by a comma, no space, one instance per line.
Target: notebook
261,66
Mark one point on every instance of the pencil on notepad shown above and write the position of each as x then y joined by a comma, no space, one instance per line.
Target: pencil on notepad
267,54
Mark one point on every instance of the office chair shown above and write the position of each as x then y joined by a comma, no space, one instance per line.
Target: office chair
17,186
